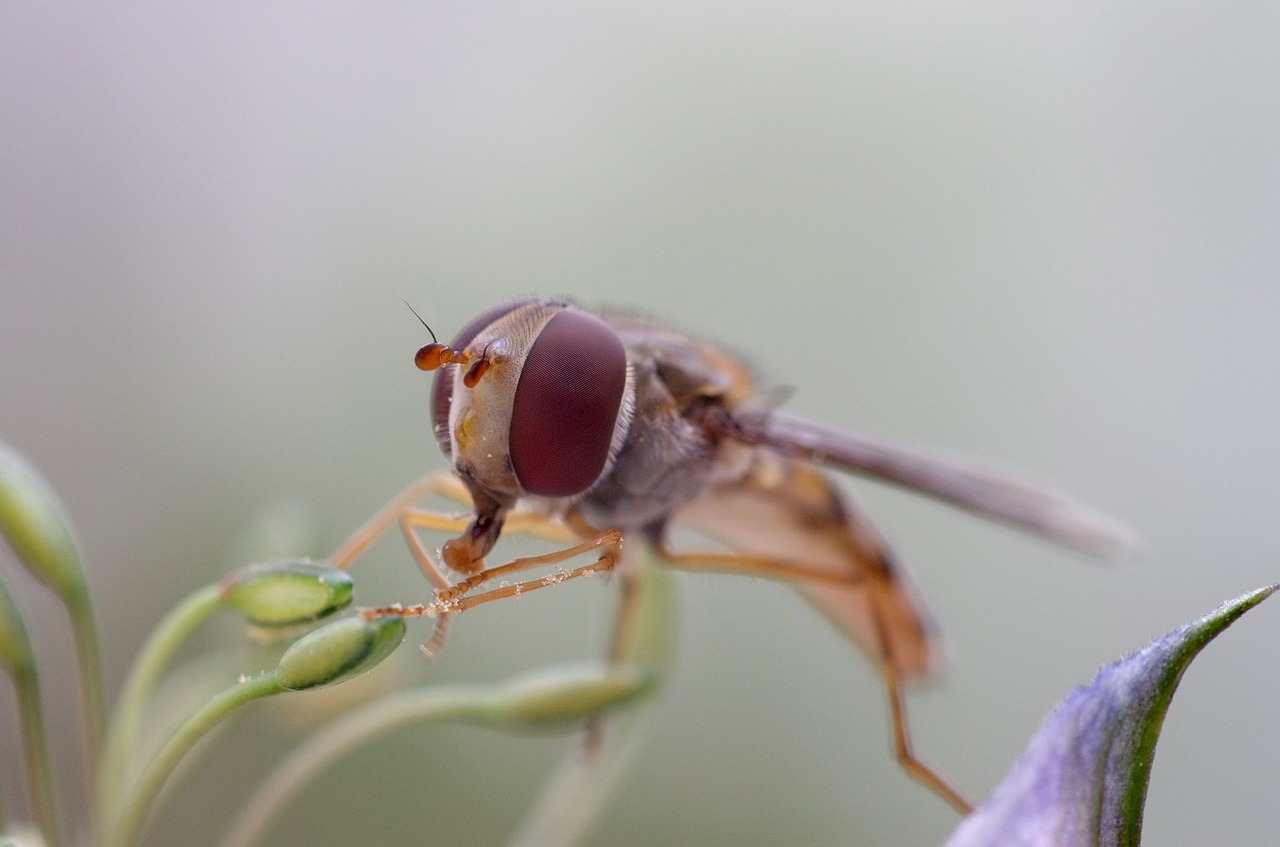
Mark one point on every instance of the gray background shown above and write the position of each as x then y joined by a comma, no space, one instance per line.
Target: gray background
1045,234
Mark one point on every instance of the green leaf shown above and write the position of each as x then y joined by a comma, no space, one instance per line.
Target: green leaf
1082,781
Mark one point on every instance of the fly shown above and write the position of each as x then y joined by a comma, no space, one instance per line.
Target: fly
589,430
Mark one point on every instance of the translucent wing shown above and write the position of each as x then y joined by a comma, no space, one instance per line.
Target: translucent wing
788,511
989,493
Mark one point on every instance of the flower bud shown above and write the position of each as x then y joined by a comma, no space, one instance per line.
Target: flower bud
338,651
568,693
287,593
36,526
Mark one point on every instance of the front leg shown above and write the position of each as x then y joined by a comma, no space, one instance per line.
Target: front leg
457,597
401,510
450,599
437,482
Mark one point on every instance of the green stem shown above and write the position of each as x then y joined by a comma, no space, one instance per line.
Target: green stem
573,796
84,632
575,793
36,749
154,657
292,774
140,800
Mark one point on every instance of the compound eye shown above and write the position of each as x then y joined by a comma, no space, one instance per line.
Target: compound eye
442,387
566,405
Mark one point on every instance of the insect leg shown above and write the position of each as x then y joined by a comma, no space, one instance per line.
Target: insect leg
792,572
400,510
764,566
457,597
448,486
360,540
630,600
409,520
609,540
907,760
624,622
520,522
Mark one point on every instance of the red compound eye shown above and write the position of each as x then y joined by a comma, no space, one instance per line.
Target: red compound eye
566,405
442,388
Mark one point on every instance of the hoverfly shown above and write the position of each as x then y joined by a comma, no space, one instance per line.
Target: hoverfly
591,429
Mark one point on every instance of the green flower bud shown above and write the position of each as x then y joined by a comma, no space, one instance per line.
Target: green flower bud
287,593
568,693
338,651
36,526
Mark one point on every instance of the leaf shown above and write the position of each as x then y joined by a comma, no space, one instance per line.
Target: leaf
1082,780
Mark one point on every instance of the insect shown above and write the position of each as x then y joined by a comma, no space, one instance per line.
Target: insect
594,429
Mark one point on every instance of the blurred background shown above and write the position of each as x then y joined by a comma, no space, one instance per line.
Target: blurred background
1042,235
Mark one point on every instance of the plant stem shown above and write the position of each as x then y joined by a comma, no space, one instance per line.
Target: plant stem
43,791
574,794
291,775
139,801
93,700
165,640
